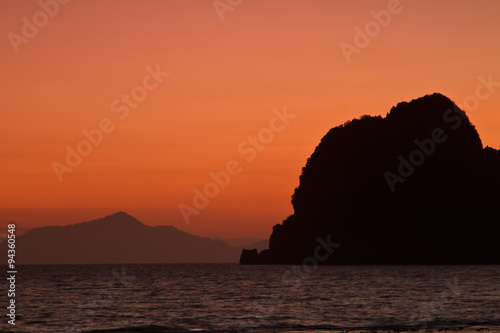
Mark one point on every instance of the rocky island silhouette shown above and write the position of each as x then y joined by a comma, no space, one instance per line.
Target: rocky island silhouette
415,187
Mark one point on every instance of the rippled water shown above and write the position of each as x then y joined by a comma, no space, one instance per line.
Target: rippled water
178,297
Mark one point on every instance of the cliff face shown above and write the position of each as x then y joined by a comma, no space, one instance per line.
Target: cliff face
415,187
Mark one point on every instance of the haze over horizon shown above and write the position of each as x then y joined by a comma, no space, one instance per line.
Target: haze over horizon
227,81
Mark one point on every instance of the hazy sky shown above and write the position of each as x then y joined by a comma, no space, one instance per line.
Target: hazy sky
86,65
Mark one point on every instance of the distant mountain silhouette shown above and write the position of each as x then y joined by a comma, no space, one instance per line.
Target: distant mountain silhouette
415,187
117,238
247,242
259,246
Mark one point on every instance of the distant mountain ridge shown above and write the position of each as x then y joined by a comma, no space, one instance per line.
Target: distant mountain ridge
251,243
118,238
415,187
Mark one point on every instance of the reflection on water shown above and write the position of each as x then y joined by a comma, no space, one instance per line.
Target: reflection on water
230,296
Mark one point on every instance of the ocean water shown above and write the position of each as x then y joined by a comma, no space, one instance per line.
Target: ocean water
221,297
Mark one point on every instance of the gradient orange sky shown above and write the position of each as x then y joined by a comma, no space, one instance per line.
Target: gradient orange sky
225,78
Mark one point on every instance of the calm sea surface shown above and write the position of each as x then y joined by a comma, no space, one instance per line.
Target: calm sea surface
182,297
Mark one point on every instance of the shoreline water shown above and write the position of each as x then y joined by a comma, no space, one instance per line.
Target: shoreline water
200,298
433,330
441,330
483,329
159,329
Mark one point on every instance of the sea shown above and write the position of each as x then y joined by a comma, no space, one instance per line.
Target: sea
240,298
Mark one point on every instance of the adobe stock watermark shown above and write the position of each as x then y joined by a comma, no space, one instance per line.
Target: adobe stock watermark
122,107
373,28
223,6
221,179
292,279
30,28
483,91
429,311
424,149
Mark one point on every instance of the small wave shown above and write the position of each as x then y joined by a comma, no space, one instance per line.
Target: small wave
141,329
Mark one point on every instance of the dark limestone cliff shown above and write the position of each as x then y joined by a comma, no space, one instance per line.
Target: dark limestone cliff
415,187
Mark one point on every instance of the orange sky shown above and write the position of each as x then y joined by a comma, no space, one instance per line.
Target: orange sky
225,77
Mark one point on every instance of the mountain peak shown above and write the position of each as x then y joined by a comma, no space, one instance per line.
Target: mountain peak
121,214
115,220
120,217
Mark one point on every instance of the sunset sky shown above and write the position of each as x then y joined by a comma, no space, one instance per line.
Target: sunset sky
232,66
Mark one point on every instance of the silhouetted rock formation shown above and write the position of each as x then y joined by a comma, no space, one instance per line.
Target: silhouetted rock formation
117,238
415,187
249,257
249,243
